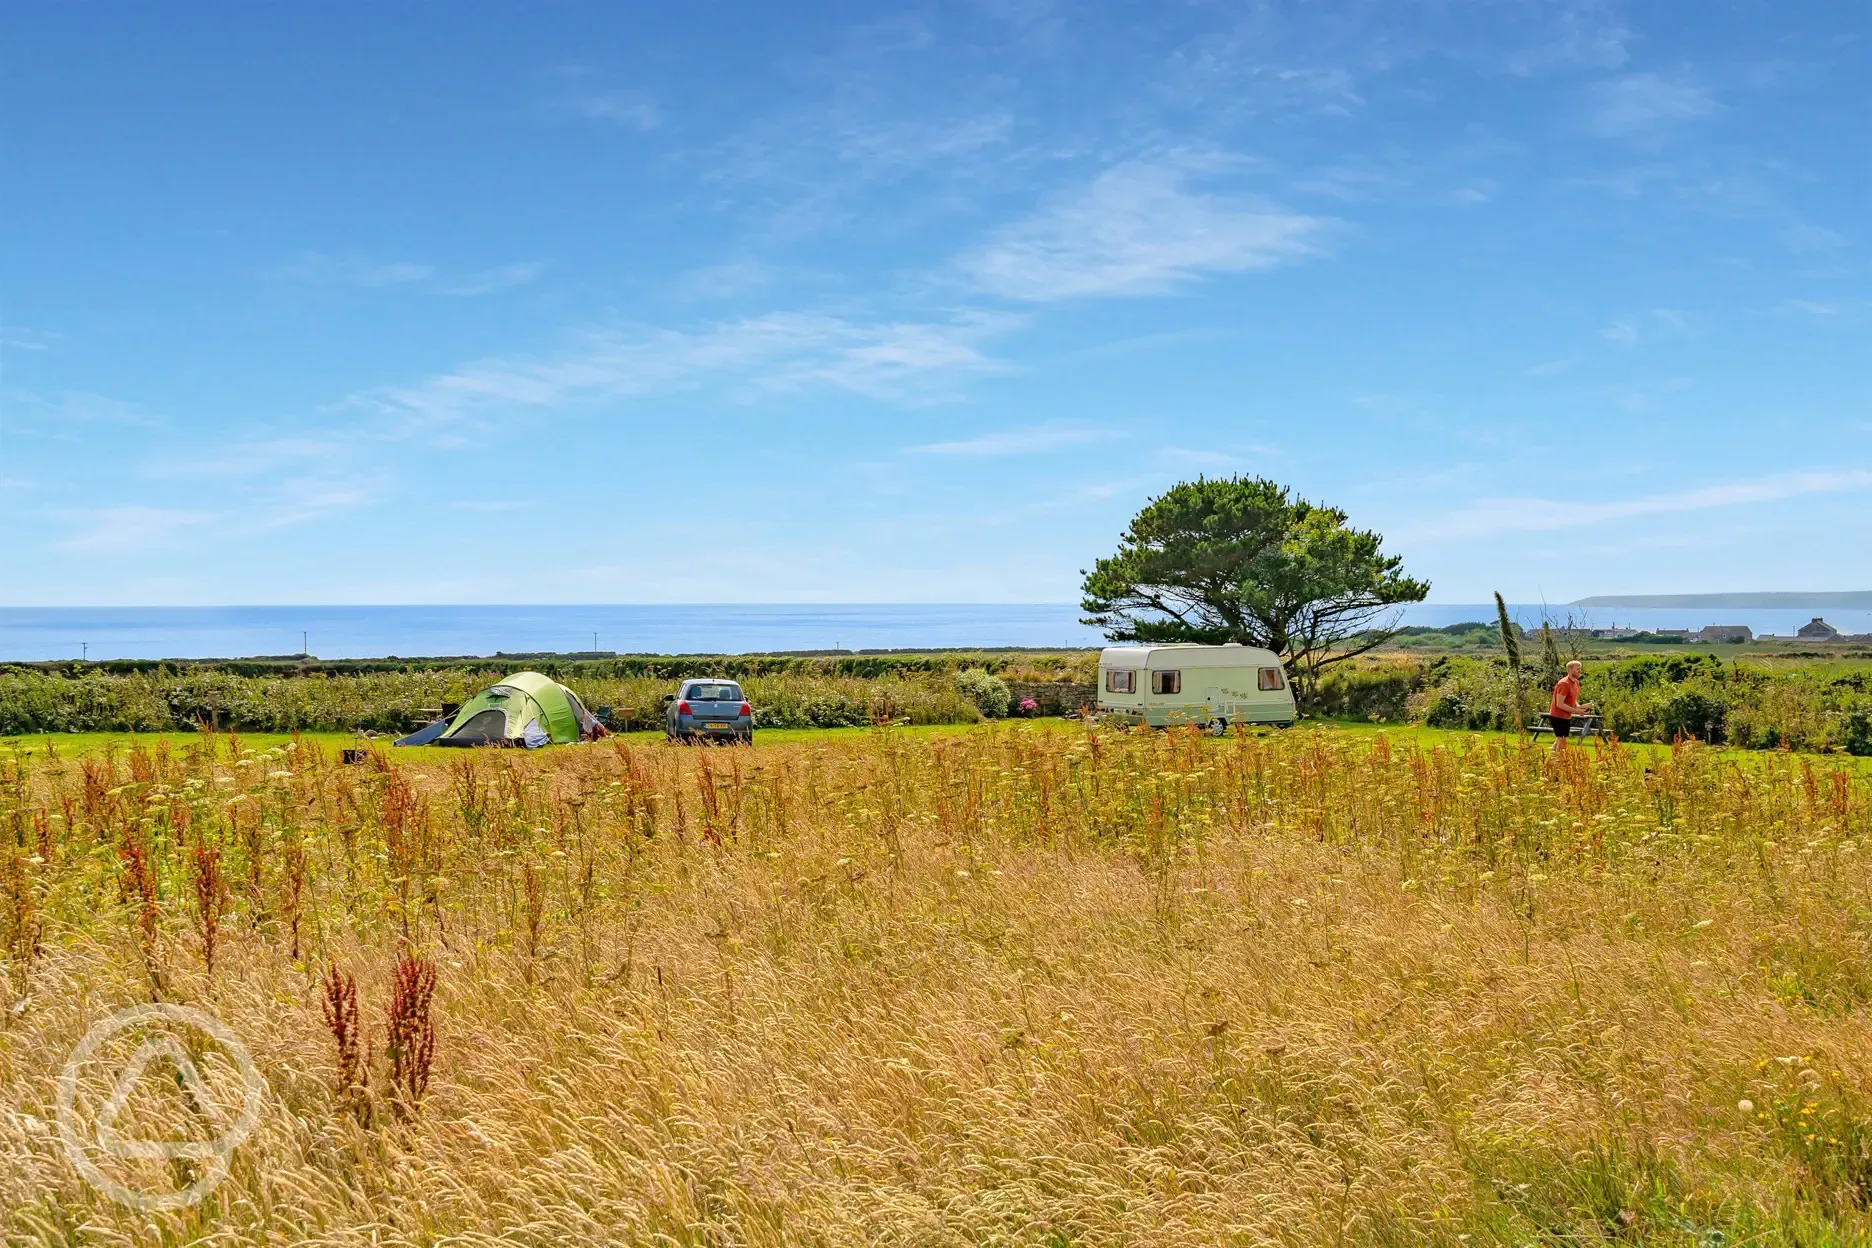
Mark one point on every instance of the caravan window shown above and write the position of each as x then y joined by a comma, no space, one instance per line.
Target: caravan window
1120,682
1271,679
1166,682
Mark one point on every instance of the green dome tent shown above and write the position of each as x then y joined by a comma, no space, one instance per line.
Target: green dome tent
523,709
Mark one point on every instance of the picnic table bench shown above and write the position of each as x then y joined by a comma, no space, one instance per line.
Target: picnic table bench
1587,724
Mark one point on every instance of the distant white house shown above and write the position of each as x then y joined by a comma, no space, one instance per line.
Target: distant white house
1726,633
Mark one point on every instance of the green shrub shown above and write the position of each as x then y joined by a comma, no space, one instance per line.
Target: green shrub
1446,710
157,700
1691,712
1365,691
1856,732
1655,669
1469,694
988,693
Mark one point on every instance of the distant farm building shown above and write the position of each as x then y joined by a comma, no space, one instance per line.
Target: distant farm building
1726,633
1817,630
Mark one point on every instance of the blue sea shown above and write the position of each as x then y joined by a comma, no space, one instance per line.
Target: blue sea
40,633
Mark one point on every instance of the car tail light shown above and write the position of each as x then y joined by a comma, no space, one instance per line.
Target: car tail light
746,710
682,708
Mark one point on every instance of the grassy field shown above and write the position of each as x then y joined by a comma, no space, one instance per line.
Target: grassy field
77,745
1008,984
66,747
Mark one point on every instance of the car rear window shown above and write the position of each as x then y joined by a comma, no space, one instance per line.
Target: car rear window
714,693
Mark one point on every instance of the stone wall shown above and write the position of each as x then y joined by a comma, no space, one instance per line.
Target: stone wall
1055,697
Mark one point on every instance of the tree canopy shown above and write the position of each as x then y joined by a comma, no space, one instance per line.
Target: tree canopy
1241,559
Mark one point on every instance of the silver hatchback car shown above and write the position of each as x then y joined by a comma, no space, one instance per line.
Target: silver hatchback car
708,710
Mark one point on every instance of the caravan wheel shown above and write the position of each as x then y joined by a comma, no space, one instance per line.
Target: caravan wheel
1218,727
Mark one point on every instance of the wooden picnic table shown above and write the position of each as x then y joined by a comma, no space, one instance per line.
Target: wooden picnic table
617,718
1587,724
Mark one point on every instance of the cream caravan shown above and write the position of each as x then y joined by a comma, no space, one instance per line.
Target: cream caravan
1212,686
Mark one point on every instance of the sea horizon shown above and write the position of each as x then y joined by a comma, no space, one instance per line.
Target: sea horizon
43,634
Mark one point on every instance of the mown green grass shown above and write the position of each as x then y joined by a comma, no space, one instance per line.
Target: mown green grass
91,744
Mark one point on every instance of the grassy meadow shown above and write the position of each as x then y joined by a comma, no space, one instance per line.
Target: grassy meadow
1003,984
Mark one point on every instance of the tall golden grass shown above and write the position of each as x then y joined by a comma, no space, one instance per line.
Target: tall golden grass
1011,985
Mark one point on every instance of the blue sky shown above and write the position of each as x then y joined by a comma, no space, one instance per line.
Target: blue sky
752,302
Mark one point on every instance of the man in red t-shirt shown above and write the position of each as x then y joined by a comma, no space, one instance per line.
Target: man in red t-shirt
1566,704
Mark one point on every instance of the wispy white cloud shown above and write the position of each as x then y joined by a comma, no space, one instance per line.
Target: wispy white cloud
583,94
320,269
1032,441
487,281
876,103
1074,497
620,107
1481,191
1648,396
880,146
317,267
1264,59
305,499
131,528
1808,240
1234,459
634,110
1818,307
78,407
1645,105
1629,331
1139,228
128,529
1142,343
1623,331
241,459
1377,401
1530,515
1584,32
1547,368
19,338
816,168
906,361
490,505
725,280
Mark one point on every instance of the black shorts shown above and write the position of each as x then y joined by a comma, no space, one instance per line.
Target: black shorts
1562,725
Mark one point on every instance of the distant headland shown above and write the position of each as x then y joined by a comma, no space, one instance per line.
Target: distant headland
1854,599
